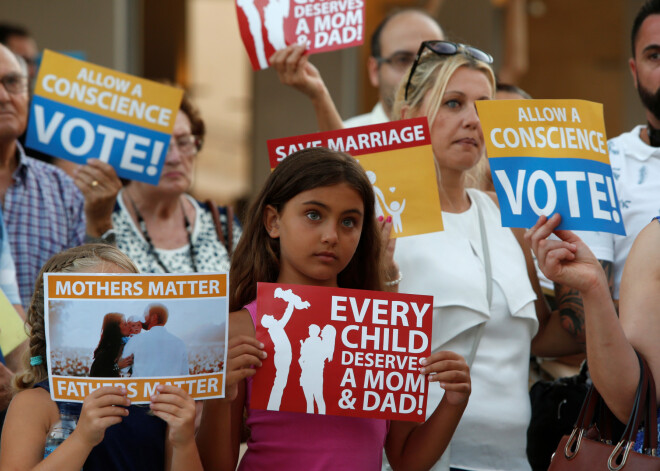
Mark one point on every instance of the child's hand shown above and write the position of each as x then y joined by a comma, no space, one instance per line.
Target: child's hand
177,408
99,412
389,265
125,362
245,353
452,372
567,261
293,69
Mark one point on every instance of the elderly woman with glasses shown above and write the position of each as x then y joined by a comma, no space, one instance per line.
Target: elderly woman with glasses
161,228
488,305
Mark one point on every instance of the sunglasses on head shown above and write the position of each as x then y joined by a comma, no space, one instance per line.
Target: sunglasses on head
447,48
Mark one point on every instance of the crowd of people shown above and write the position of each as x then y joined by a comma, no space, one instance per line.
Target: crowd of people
313,222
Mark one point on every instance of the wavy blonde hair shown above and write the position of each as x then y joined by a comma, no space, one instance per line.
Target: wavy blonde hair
431,77
73,260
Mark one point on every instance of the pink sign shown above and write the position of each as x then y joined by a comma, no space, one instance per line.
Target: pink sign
342,351
322,25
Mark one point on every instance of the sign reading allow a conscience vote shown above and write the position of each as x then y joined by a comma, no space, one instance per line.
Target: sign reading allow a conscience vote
81,111
342,352
399,162
551,156
185,348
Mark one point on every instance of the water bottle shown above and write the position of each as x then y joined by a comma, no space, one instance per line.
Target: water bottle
61,430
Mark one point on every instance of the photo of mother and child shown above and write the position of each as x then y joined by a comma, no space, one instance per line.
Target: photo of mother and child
139,348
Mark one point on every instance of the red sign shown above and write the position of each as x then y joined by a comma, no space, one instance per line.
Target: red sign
342,351
322,25
394,135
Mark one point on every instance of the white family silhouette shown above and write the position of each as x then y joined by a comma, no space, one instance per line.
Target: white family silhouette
395,208
274,14
314,351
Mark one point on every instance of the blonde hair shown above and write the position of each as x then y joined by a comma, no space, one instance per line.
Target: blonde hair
73,260
431,77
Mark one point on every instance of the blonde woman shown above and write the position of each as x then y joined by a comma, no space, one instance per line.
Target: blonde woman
488,305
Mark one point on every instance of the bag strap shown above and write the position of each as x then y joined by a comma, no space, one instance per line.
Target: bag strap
227,240
489,282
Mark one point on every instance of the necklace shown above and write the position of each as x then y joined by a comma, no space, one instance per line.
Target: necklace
152,250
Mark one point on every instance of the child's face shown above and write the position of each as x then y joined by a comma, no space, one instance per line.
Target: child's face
319,230
135,327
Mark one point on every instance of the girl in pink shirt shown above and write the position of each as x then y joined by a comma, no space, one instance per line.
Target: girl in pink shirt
313,223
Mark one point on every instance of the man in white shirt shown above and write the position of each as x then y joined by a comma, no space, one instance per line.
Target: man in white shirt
156,352
635,159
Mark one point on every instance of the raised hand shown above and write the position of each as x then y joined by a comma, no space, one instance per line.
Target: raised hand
294,69
100,185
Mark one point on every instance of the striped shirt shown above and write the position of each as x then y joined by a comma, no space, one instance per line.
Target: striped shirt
43,212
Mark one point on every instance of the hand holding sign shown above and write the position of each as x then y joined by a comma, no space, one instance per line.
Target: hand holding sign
451,371
567,261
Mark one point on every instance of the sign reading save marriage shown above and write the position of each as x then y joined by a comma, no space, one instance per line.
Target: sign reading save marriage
342,351
321,25
136,331
399,162
81,111
550,156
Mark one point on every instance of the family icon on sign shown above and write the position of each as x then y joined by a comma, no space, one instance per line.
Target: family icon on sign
395,208
314,351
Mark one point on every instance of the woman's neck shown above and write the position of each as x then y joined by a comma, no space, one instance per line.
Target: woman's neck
453,195
151,204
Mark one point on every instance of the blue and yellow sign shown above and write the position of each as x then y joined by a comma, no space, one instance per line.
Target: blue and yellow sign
81,111
550,156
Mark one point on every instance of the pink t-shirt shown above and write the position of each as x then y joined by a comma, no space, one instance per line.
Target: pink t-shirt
292,440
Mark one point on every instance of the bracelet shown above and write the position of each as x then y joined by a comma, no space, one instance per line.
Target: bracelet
108,237
395,281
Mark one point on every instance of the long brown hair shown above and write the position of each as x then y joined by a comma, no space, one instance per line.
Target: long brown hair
72,260
257,255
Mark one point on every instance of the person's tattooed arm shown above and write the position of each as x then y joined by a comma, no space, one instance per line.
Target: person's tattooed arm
571,310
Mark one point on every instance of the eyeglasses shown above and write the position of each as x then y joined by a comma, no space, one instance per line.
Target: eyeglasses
400,60
14,83
447,48
188,145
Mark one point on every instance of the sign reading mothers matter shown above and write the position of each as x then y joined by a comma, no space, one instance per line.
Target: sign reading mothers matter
81,111
342,351
399,162
136,331
550,156
321,25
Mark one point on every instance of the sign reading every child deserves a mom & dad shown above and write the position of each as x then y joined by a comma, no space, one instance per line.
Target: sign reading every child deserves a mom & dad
81,111
398,159
551,156
342,351
136,331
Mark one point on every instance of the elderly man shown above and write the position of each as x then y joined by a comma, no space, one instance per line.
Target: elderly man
42,208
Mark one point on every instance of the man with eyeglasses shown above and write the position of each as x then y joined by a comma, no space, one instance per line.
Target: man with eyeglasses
42,208
394,45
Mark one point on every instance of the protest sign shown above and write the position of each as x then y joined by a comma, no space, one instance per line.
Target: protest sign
321,25
550,156
12,332
135,331
342,351
81,111
399,162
